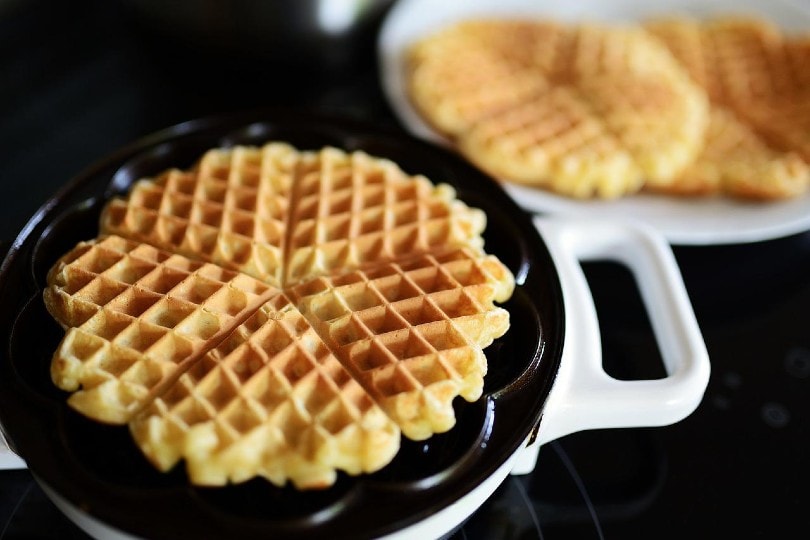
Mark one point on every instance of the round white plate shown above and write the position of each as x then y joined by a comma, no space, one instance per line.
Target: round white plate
682,221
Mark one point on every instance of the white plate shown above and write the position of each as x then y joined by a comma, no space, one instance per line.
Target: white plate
681,221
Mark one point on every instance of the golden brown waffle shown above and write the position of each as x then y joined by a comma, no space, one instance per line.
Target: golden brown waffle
735,161
586,110
784,126
412,332
797,49
758,78
137,317
388,304
553,142
229,209
729,56
351,209
272,401
237,208
475,70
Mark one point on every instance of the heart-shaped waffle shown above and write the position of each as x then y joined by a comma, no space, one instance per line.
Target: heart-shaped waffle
278,313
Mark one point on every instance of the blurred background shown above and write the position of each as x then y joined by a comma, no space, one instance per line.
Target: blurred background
81,78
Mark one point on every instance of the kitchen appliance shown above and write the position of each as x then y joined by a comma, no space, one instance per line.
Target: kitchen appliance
545,377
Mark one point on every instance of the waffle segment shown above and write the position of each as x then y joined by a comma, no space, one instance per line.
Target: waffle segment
230,209
412,333
137,318
270,401
352,209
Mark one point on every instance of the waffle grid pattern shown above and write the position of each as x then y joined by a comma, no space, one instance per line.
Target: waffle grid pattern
756,145
137,317
412,333
351,210
230,209
239,377
272,400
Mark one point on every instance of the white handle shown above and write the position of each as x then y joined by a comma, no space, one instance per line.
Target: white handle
8,459
584,396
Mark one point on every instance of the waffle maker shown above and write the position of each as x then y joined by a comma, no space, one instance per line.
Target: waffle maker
545,378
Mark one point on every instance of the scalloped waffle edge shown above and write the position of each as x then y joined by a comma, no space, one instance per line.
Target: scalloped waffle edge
288,375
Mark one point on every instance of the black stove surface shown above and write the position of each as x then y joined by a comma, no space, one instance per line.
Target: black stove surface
80,79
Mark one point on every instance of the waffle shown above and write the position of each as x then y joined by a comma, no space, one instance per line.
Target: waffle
229,209
726,56
137,317
555,143
371,321
412,332
236,208
273,401
475,70
351,209
735,161
757,82
585,110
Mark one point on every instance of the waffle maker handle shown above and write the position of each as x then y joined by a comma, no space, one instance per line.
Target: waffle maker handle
584,396
8,459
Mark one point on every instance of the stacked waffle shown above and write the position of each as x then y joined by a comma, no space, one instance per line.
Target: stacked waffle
758,140
587,110
278,313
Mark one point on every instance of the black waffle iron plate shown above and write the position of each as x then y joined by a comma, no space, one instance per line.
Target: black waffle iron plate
98,471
